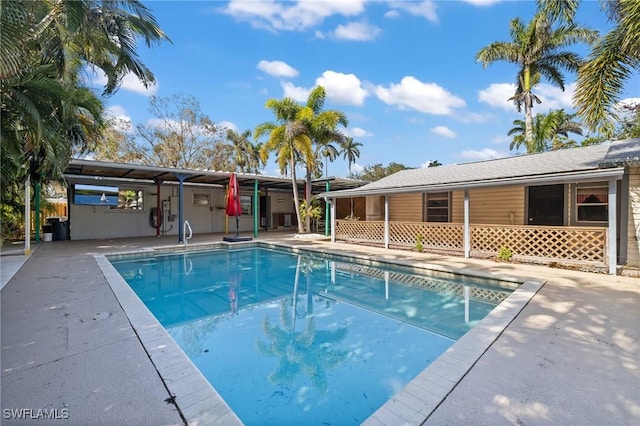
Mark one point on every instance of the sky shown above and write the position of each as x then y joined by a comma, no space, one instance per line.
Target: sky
404,72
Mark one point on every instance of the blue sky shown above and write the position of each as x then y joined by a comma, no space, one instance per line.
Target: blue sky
404,72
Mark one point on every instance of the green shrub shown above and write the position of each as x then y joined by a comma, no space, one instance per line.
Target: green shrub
419,245
505,254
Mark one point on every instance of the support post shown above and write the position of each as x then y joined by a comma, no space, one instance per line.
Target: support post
160,217
256,209
181,177
27,215
466,239
613,229
386,221
37,222
333,220
327,213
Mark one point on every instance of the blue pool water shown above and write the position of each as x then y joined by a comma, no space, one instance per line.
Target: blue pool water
301,339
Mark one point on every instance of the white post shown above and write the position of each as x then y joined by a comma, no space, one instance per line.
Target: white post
386,221
613,237
27,215
466,239
333,220
386,285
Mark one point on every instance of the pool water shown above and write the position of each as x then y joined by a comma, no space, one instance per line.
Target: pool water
302,339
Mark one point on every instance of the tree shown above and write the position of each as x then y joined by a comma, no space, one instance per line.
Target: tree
350,151
536,49
180,135
322,130
612,61
289,139
378,171
434,163
246,156
550,132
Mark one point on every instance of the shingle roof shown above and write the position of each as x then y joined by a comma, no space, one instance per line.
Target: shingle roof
587,158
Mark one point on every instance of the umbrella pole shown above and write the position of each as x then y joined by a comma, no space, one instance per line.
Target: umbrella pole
237,226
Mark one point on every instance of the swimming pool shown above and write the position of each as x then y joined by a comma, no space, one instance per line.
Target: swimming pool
305,338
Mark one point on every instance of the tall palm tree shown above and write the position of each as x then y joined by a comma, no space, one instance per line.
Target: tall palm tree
322,127
241,149
550,132
329,152
612,61
350,151
289,138
536,48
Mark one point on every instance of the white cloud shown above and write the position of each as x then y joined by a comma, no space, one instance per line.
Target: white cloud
277,69
392,14
497,94
356,168
344,89
227,125
424,97
298,94
290,16
129,82
357,132
553,97
484,154
357,31
119,119
425,8
443,131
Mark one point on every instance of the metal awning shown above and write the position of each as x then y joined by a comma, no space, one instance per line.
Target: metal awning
107,171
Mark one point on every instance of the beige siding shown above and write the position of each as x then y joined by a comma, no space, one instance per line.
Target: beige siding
633,235
405,207
491,205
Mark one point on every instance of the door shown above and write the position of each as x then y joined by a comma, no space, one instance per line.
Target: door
546,205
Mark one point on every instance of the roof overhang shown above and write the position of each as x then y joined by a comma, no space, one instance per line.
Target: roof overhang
565,177
106,171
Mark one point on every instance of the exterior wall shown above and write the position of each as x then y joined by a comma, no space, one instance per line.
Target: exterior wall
633,228
491,206
375,207
405,207
99,222
343,208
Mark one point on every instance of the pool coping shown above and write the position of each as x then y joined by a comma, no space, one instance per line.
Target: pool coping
199,402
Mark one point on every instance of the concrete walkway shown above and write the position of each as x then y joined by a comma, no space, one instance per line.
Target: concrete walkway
571,357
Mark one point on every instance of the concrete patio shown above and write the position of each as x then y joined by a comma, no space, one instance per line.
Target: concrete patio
571,357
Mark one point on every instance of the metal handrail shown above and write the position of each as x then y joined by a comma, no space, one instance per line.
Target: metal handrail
186,225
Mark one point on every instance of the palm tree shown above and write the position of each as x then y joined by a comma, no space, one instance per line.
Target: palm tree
241,149
322,128
611,62
329,152
350,151
289,138
536,50
550,132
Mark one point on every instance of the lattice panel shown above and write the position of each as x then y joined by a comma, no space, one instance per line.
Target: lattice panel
435,236
371,231
441,286
569,243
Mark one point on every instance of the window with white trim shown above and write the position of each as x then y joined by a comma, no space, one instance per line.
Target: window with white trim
592,203
437,206
201,198
245,203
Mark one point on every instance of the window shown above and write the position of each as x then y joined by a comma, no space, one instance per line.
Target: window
592,203
437,207
129,199
200,199
245,203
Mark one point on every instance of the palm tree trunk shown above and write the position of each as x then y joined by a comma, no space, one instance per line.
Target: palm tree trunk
296,199
528,126
307,196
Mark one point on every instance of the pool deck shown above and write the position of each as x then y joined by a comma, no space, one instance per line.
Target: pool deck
571,356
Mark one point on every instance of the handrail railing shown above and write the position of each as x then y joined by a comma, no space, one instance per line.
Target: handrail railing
187,226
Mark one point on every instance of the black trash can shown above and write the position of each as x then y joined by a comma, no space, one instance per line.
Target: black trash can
60,229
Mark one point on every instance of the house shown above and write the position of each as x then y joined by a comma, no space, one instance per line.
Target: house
114,200
579,205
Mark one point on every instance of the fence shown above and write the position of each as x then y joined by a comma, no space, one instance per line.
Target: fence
557,243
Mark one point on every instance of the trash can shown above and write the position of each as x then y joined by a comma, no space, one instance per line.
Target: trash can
47,232
60,228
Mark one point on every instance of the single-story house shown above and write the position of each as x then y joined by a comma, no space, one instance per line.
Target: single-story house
113,200
579,205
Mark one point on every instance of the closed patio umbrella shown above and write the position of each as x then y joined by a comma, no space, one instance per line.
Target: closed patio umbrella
233,200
